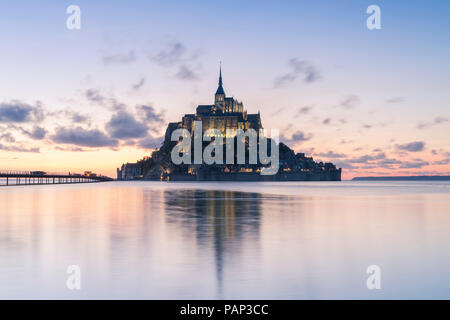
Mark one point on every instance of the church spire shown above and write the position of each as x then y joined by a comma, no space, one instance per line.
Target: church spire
220,90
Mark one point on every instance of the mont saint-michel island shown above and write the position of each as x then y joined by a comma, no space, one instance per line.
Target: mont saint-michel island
222,142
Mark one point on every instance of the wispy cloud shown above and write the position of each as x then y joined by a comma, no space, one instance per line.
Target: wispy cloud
123,125
377,160
149,113
277,112
7,137
37,133
367,158
79,118
187,73
303,111
395,100
388,163
19,112
171,55
94,95
150,142
18,149
445,161
332,154
176,56
83,137
436,121
298,136
67,114
120,58
413,164
415,146
139,84
350,102
302,69
72,149
345,165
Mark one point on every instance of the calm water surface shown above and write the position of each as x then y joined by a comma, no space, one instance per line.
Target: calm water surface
294,240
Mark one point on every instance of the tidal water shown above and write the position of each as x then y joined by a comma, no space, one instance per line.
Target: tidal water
287,240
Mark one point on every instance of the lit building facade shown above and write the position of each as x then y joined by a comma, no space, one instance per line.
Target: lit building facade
225,114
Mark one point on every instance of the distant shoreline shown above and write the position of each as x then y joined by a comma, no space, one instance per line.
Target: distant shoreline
403,178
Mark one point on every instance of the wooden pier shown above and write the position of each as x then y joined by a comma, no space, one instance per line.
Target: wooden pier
18,178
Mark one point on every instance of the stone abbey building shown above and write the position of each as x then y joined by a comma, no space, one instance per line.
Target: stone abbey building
225,113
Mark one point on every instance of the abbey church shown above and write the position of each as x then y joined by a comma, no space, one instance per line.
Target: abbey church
225,113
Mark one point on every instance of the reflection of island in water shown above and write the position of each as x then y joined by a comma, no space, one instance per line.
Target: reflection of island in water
218,219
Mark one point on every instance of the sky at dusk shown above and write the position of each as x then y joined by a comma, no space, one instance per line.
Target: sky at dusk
374,102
